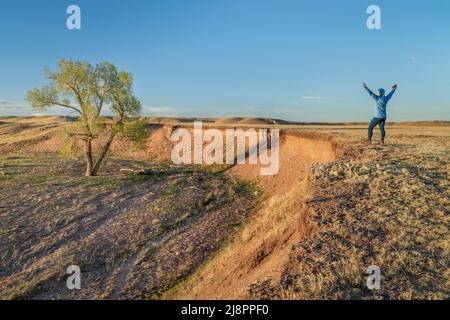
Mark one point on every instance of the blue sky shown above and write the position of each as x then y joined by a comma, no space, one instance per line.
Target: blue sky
291,59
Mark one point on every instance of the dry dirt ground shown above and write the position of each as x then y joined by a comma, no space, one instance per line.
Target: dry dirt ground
336,207
132,236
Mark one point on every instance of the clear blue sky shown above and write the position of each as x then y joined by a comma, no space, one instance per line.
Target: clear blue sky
291,59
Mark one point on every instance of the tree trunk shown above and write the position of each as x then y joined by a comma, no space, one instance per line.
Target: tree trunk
89,161
102,154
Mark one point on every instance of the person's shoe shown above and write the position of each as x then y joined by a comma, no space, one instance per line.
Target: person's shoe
368,142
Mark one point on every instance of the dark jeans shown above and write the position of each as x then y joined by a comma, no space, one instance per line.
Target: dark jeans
377,121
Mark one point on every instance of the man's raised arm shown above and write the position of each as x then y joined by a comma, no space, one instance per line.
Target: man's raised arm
389,96
369,91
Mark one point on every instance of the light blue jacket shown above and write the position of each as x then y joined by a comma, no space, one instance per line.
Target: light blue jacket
381,102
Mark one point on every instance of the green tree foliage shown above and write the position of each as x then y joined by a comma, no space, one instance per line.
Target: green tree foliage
86,91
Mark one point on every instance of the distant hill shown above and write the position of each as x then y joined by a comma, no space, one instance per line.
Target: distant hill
219,121
424,123
258,121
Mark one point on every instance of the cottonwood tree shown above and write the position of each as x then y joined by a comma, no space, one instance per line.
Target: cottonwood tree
87,90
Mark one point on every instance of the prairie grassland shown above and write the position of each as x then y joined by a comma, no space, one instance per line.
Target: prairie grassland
164,234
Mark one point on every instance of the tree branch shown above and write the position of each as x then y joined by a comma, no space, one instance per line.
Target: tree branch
56,103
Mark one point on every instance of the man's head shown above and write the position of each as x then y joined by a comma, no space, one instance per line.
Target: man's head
381,92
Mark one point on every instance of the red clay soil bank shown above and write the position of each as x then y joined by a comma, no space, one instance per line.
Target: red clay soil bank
297,153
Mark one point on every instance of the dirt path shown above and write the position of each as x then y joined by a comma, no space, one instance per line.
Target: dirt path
154,244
